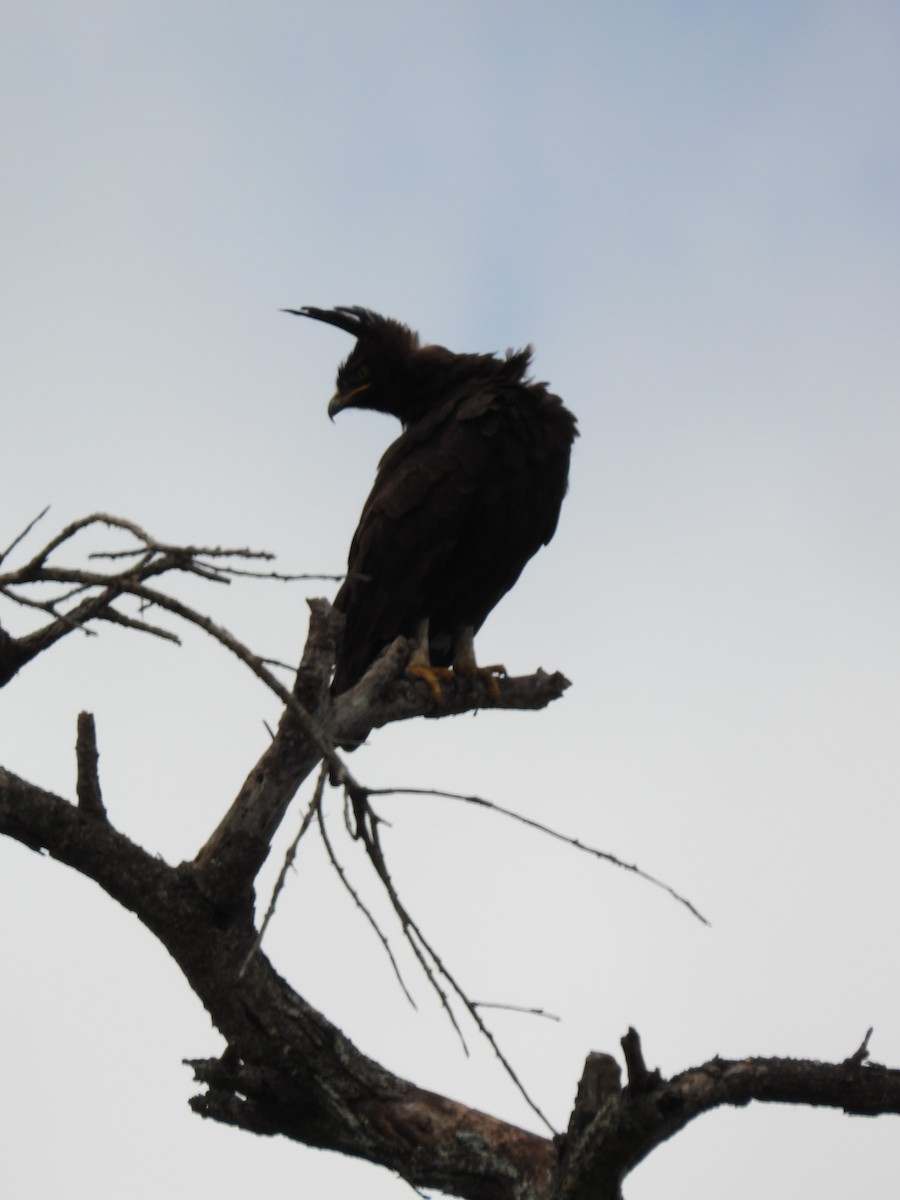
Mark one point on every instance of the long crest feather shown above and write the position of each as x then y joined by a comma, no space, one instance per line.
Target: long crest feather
363,324
351,318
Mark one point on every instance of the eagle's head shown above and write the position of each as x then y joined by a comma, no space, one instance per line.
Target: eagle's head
379,373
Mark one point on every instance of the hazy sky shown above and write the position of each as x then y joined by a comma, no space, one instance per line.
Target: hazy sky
693,212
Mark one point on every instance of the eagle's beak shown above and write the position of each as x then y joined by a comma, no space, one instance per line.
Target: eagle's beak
339,402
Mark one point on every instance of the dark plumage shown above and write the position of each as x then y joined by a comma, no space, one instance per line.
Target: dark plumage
463,498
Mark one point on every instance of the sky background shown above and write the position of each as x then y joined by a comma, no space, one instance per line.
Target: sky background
693,212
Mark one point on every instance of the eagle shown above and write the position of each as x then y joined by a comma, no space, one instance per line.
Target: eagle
464,497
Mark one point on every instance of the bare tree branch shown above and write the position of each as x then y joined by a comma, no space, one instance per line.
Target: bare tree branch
286,1069
99,590
628,1124
385,695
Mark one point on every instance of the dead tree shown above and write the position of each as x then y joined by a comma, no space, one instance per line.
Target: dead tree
286,1068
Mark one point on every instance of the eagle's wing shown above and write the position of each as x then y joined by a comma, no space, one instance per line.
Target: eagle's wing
461,501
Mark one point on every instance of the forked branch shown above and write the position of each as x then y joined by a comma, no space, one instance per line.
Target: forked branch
71,597
603,1146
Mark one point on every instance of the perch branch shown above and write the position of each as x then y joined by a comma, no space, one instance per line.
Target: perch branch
386,694
313,725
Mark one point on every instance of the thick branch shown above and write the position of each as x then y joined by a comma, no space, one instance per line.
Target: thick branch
13,656
629,1124
239,846
288,1070
387,694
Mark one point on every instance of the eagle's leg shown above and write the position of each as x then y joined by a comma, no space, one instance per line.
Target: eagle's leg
464,661
420,661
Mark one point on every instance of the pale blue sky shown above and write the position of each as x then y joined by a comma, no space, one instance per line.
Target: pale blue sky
693,212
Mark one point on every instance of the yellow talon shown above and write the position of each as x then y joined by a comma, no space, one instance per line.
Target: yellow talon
464,663
431,675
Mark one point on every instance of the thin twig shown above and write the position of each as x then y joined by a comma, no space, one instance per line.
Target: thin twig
117,618
49,607
517,1008
76,527
290,855
283,578
562,837
24,534
338,769
368,832
342,875
859,1056
188,551
282,666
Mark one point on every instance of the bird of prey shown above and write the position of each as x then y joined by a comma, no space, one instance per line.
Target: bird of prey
464,497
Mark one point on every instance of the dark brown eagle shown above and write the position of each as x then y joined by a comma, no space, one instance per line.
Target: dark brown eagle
463,498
